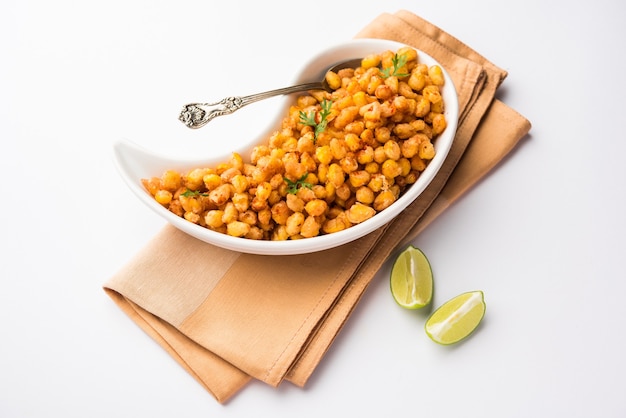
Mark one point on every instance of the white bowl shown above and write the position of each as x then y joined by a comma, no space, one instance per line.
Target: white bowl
135,163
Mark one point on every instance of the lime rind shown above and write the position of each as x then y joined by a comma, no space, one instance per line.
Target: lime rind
457,318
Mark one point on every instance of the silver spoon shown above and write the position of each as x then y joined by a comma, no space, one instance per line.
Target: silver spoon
196,115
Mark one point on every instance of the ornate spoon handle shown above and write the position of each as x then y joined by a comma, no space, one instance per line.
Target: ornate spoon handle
196,115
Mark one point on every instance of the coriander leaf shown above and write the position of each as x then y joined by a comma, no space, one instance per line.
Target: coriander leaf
398,62
294,186
309,119
192,193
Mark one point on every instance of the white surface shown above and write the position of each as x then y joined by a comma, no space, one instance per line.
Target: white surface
135,163
543,236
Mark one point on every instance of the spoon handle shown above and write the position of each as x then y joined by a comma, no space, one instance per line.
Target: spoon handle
196,115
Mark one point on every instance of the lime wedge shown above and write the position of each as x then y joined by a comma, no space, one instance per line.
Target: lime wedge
411,279
457,318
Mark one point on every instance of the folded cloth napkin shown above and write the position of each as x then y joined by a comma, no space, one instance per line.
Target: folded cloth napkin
228,317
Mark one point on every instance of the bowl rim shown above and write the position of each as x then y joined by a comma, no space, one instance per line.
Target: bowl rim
130,159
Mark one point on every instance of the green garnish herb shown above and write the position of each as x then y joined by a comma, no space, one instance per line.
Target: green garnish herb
310,118
294,186
192,193
398,62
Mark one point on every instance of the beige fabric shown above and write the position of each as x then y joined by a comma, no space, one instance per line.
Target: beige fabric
228,317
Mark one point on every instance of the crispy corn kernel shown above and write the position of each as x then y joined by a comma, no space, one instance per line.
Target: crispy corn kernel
370,61
221,194
436,75
248,216
349,163
379,155
240,183
355,128
336,174
365,155
211,181
383,92
194,178
230,213
333,80
323,154
190,204
405,166
294,223
410,146
294,203
406,91
353,142
241,201
152,185
310,227
432,94
265,217
383,200
192,217
320,192
392,150
382,134
338,148
171,180
237,229
418,164
359,178
439,123
404,130
359,212
164,197
417,80
365,195
213,218
372,167
333,225
427,150
422,107
316,207
391,169
435,108
255,233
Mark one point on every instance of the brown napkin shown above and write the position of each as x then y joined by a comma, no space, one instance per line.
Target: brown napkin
228,317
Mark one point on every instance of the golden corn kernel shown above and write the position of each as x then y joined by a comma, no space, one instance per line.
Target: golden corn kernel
427,150
365,195
211,181
439,123
370,61
336,175
359,213
164,197
237,229
310,227
432,94
391,169
294,223
359,178
383,200
316,207
436,75
213,218
171,180
333,80
392,150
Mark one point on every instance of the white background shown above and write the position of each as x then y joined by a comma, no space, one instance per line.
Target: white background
542,236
